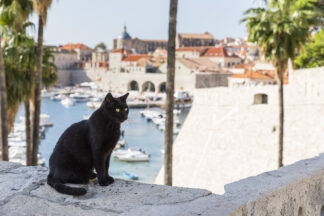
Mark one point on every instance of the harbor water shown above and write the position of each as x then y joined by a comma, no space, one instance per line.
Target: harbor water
138,134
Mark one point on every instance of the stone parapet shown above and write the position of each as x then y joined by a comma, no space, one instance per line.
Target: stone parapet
292,190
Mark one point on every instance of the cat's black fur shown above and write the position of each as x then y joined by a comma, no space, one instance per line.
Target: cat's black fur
87,145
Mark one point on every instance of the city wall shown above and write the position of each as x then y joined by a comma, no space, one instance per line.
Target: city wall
295,190
226,137
120,81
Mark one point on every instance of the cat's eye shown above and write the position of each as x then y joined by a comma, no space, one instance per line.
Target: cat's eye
126,109
117,110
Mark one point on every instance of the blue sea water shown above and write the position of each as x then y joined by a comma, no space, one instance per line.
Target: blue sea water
138,134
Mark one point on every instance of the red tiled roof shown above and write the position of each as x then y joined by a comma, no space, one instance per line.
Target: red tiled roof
259,74
215,52
122,50
253,75
244,65
191,49
134,58
218,52
71,46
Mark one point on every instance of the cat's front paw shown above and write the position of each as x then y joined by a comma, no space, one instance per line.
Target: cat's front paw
106,181
110,179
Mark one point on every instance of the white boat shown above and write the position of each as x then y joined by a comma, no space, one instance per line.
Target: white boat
80,97
120,144
67,101
57,97
46,94
130,155
93,104
150,114
177,111
43,122
18,155
18,143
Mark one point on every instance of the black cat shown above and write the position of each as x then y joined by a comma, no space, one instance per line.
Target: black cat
88,145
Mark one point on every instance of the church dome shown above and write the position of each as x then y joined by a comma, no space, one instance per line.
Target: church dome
124,35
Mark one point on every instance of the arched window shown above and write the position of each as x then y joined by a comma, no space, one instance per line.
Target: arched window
260,99
162,87
148,87
133,86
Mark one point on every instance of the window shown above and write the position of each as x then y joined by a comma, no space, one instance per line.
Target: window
260,99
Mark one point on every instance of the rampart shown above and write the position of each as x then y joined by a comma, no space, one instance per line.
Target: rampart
229,135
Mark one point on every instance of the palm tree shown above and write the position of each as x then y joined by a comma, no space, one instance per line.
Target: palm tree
49,77
40,6
281,29
13,15
168,137
21,63
3,108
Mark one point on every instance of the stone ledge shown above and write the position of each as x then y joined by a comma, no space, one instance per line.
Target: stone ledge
294,188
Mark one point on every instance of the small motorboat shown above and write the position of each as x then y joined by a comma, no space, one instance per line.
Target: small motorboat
67,101
78,97
93,104
44,121
120,144
150,114
130,176
177,111
57,97
130,155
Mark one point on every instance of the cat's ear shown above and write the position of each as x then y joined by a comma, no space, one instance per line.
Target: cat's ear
124,97
109,98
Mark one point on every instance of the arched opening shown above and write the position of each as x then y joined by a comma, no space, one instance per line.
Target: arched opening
260,99
148,87
162,87
133,86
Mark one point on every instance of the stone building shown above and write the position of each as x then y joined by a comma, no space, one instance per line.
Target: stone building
84,53
221,56
194,40
137,45
100,57
64,59
116,57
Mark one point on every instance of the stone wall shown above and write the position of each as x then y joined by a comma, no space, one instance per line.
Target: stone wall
63,77
68,77
226,137
210,80
290,191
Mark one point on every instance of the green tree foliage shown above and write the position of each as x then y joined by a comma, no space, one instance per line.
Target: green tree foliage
101,45
21,62
313,55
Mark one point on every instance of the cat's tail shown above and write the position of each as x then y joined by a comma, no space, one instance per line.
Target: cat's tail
60,187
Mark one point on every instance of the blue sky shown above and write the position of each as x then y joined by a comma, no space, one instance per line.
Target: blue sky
94,21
